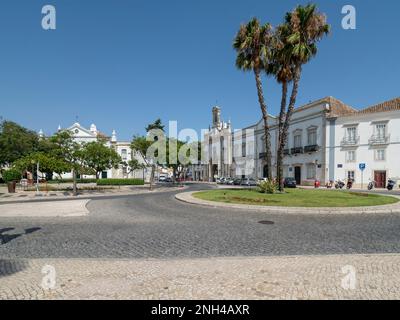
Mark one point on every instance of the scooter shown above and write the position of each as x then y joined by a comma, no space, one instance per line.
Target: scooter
339,184
391,184
349,184
371,185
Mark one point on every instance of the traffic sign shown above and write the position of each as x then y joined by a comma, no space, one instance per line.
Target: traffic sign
362,166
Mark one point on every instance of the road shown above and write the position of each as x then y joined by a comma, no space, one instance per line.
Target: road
158,226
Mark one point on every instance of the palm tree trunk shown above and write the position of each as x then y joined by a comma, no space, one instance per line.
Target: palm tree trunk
267,135
281,143
292,102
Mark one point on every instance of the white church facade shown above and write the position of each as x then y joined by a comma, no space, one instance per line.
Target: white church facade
84,135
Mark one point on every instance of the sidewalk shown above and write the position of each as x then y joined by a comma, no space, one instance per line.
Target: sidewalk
23,196
291,277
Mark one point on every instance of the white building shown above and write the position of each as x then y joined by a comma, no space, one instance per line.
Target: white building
328,140
84,135
370,136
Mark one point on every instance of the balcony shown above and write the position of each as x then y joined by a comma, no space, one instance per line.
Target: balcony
350,142
286,152
297,150
311,148
379,140
263,155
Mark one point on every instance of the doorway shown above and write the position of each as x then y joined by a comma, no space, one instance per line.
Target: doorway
380,179
265,171
297,175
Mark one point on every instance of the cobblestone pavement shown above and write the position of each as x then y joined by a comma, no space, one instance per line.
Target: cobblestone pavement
297,277
158,226
153,246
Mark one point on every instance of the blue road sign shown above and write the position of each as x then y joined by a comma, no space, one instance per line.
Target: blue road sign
362,166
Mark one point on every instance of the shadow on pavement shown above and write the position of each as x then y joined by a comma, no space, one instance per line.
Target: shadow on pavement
6,238
9,267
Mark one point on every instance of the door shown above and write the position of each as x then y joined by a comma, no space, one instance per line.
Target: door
104,175
265,171
297,175
380,179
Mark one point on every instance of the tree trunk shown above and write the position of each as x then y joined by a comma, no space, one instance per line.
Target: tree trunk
74,187
292,102
264,111
281,144
152,176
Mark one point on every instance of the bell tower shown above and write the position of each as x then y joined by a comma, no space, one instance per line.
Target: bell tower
216,114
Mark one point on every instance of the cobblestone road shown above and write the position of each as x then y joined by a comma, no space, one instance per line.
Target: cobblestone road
158,226
222,250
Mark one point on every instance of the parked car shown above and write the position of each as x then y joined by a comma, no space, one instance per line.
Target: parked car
237,181
259,181
230,181
289,182
249,182
221,180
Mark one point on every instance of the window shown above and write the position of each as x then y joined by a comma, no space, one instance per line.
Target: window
124,154
351,175
243,149
311,171
124,170
351,134
380,155
380,130
297,140
351,156
312,137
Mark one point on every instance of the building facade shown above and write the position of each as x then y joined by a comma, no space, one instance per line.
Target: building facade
328,140
83,135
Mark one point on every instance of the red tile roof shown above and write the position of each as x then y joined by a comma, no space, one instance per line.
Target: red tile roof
386,106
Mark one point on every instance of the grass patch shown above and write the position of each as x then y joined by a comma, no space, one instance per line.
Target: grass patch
296,198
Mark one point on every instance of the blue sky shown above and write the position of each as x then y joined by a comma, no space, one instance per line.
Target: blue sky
121,64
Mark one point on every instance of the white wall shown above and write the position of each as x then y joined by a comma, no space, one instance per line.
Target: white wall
365,152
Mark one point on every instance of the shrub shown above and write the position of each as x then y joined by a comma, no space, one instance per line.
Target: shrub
71,181
120,182
268,186
11,175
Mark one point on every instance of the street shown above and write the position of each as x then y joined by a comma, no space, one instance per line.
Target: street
158,226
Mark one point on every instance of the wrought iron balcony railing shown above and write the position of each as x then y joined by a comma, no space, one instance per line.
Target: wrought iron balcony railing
379,140
311,148
350,141
297,150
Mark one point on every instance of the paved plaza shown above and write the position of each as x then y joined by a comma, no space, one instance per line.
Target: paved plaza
154,246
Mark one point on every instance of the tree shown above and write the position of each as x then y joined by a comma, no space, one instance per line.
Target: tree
297,42
134,165
15,142
67,149
252,44
155,125
98,157
142,144
48,163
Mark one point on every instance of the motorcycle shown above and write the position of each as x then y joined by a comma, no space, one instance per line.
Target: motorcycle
391,184
339,184
371,185
349,184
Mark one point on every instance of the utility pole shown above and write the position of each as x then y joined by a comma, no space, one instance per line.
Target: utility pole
37,177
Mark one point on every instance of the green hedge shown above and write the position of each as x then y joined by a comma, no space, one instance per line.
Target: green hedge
70,181
120,182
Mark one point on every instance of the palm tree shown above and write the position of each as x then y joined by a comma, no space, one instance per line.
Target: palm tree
252,44
295,46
